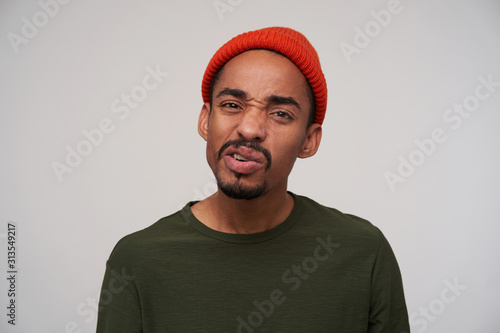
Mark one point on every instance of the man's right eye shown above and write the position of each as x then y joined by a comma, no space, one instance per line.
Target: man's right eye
230,105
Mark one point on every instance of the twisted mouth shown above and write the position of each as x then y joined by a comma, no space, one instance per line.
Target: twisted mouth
245,151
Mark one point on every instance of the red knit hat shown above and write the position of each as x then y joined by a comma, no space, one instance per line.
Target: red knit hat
290,43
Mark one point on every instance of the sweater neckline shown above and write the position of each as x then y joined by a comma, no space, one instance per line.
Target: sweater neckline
244,238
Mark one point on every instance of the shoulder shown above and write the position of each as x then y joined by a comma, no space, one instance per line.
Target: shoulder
357,238
349,227
148,242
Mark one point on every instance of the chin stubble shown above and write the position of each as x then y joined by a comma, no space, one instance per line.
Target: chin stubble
237,190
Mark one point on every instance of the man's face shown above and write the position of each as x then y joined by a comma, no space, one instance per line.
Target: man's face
258,124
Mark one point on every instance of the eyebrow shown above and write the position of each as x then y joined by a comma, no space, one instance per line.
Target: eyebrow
273,99
276,99
238,93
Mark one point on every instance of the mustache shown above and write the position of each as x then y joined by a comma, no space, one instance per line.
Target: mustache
248,144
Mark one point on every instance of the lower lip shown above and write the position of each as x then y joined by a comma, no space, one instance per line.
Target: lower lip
241,167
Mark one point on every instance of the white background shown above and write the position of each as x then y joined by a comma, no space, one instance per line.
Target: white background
62,79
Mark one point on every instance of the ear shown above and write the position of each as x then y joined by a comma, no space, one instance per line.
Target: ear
203,121
311,142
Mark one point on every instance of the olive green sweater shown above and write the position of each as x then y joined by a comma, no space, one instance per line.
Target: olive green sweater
318,271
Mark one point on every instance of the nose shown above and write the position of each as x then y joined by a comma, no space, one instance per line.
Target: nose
252,125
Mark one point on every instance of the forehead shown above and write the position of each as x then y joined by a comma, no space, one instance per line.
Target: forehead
262,71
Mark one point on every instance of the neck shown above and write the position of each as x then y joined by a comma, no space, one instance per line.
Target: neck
225,214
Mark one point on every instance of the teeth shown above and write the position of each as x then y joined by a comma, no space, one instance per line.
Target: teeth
239,157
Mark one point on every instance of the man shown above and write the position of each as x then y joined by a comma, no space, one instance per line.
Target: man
254,257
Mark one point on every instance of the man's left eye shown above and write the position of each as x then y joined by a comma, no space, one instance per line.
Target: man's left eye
282,114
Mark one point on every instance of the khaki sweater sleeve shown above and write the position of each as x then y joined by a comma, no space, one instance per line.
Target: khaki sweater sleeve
388,313
119,304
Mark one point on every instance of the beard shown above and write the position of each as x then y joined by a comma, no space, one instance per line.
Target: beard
237,190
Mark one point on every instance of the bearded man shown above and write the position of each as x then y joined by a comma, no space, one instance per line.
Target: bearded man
255,257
